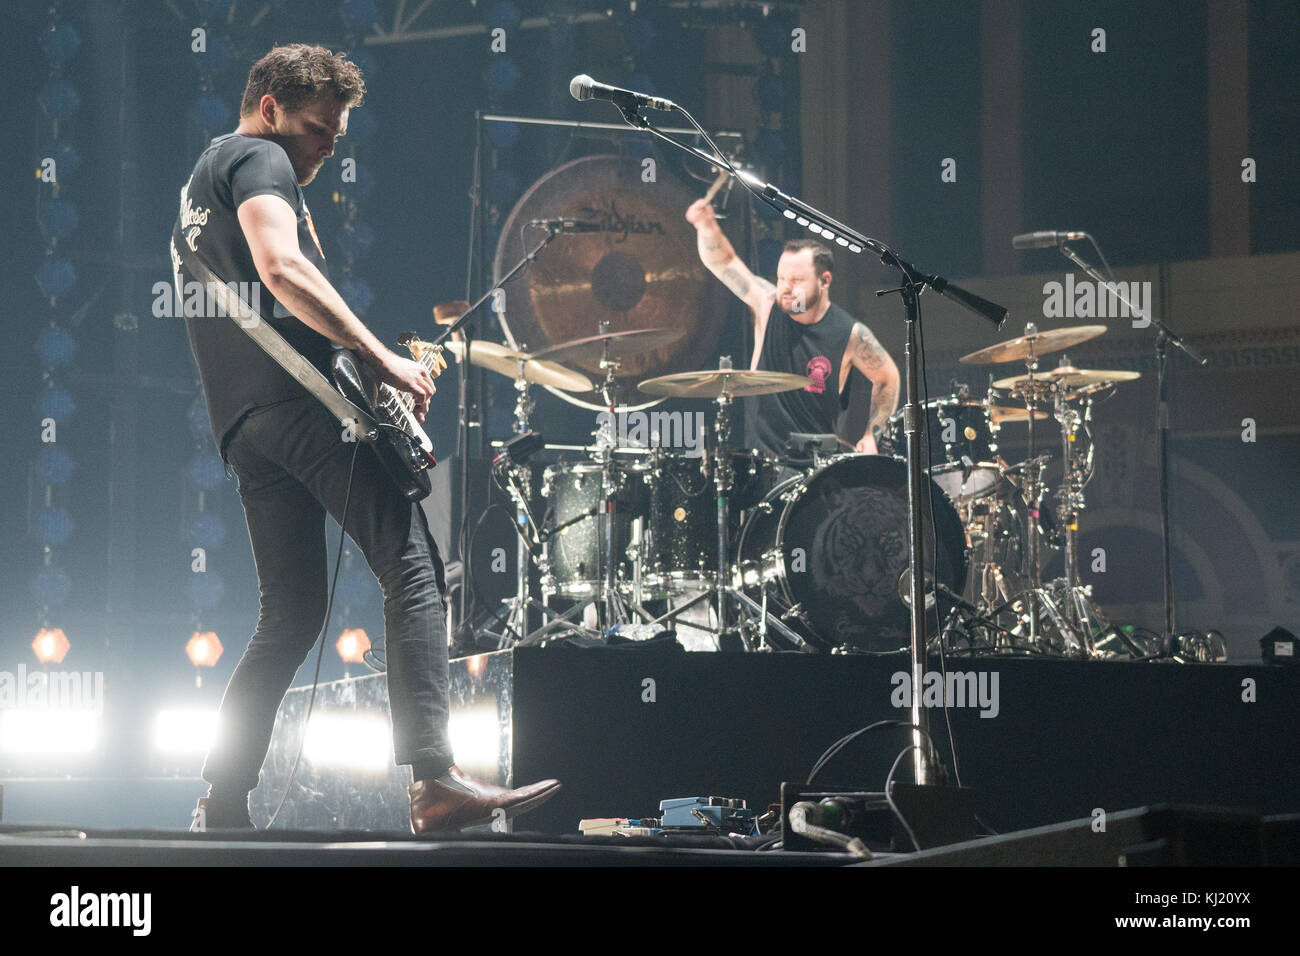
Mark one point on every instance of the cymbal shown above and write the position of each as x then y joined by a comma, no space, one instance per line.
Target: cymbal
1002,414
1070,377
711,383
1039,343
504,361
445,313
641,270
613,345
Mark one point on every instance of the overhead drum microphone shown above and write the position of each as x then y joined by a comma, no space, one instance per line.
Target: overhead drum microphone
567,225
1044,240
583,87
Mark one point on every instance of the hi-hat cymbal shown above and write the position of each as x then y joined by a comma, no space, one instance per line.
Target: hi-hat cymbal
711,383
612,345
1039,343
1069,377
507,362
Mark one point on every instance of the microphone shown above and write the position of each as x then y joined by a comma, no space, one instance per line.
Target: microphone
566,225
1041,240
583,87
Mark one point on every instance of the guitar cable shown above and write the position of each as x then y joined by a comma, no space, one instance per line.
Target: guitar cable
320,651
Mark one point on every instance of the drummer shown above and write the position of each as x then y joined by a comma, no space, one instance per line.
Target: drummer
798,329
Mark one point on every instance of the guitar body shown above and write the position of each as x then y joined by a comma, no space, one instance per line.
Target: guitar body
403,448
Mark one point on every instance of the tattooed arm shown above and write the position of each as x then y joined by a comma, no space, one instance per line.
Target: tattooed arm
719,257
869,357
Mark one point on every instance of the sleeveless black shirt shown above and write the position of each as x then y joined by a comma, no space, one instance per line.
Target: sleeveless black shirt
814,350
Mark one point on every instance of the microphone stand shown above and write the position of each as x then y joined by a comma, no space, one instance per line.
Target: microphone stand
1165,336
463,426
925,761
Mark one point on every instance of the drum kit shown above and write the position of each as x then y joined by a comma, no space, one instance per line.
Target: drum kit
807,552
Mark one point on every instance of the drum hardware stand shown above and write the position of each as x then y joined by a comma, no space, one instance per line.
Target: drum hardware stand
463,393
1164,337
614,610
755,617
1083,619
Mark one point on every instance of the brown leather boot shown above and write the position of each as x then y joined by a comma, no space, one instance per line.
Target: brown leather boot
436,806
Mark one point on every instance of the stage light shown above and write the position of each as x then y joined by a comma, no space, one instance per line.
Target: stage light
352,645
207,472
58,219
184,731
60,42
59,99
475,733
51,645
207,530
51,586
206,589
54,465
476,665
203,649
56,278
214,114
45,730
355,741
56,347
53,526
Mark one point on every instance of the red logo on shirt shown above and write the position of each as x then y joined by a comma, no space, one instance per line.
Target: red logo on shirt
818,369
311,227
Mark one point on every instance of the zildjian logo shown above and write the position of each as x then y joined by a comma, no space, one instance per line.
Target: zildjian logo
611,220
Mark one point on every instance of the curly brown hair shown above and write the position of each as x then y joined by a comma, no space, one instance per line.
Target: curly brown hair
297,74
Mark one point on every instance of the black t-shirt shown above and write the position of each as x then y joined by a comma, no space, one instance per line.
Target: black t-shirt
237,375
815,350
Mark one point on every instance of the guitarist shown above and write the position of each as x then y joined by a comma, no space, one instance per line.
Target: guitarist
243,212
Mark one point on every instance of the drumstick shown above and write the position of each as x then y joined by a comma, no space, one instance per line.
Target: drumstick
718,183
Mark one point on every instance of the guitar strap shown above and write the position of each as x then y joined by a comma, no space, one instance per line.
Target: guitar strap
289,358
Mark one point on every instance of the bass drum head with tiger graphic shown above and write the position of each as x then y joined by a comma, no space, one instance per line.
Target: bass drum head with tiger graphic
842,541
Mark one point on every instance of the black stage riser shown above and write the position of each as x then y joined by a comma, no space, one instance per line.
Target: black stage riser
624,728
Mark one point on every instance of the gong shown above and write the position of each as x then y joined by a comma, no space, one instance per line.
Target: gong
641,270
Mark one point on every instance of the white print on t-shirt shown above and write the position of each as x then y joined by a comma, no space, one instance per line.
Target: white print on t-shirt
193,219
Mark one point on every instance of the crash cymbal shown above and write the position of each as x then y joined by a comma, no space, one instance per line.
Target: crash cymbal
1002,414
613,345
711,383
506,361
642,270
1039,343
1069,377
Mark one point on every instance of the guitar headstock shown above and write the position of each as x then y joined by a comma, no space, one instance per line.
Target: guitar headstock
424,352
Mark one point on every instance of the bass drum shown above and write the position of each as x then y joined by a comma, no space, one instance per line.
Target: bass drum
830,547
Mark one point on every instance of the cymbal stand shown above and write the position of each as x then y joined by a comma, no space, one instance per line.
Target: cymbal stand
754,617
1033,493
609,600
520,490
1082,617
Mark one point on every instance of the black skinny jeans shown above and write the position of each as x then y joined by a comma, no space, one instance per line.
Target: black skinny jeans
292,466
